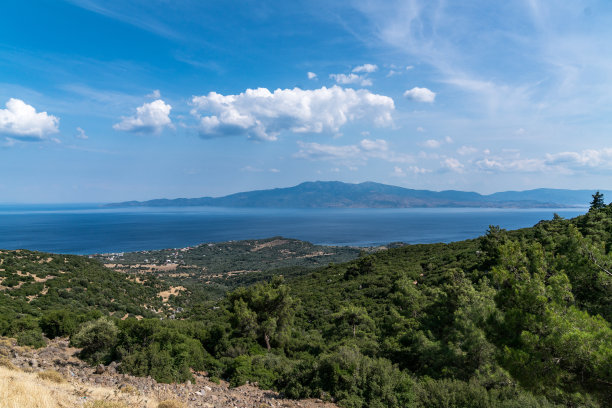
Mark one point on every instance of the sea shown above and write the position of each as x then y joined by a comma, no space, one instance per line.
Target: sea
91,229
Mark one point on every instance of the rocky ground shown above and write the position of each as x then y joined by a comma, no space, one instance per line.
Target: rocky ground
58,356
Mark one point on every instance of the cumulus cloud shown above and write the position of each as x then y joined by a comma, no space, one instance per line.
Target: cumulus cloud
374,145
261,114
369,68
398,171
510,160
585,158
453,165
360,152
500,164
150,118
349,79
312,75
81,134
417,170
465,150
21,121
431,143
420,94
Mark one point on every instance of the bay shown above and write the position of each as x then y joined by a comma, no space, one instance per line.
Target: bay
88,229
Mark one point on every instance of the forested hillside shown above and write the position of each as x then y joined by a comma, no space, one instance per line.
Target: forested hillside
512,319
210,270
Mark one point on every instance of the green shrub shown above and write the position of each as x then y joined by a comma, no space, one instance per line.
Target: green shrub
58,323
32,338
97,339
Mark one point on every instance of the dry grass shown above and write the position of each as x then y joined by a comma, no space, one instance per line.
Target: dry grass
5,362
129,389
24,390
51,375
171,404
105,404
19,389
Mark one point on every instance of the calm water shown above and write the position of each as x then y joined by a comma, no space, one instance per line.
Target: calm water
85,230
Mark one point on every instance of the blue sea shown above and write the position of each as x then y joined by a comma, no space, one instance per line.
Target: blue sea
88,229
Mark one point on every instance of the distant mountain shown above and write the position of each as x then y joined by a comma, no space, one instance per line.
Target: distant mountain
335,194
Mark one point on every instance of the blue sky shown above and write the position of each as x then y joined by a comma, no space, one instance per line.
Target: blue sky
117,100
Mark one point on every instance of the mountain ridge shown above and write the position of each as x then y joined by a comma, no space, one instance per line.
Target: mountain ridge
336,194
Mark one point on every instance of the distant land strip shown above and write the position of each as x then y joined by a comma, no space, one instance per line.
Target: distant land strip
336,194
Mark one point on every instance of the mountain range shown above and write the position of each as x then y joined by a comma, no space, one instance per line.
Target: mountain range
336,194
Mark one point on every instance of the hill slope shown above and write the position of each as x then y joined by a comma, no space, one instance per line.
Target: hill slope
334,194
512,319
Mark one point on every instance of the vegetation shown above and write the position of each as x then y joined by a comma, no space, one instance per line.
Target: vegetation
21,389
51,375
53,294
512,319
209,271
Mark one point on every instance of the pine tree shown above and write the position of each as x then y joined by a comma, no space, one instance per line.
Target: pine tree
598,201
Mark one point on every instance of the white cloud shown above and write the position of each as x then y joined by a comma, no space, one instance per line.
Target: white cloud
344,79
261,114
21,121
409,67
420,129
586,158
361,152
81,134
369,68
392,72
312,75
374,145
9,142
448,139
317,151
398,171
465,150
150,118
417,170
155,94
501,164
252,169
431,143
453,165
420,94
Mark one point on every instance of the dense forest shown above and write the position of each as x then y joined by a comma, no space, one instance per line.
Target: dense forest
511,319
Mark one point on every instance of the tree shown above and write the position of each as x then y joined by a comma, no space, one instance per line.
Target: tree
354,316
598,201
263,311
97,338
